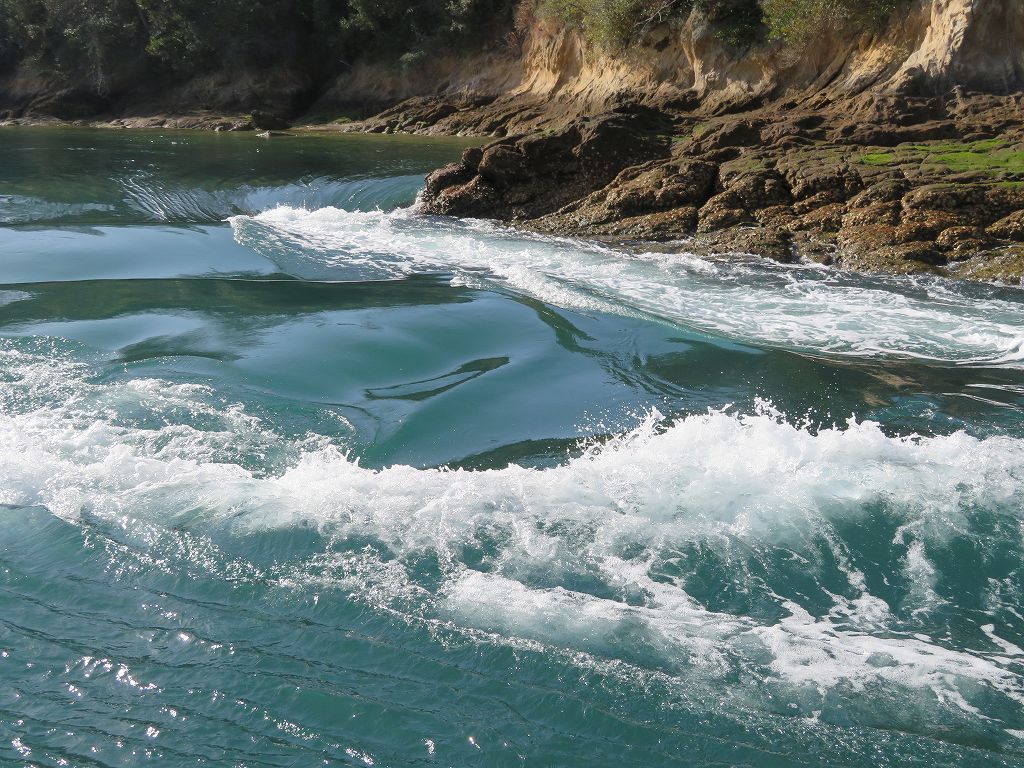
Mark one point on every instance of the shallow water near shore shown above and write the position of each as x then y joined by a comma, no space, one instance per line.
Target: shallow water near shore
291,475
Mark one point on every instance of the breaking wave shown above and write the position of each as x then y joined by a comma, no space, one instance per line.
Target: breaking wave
608,555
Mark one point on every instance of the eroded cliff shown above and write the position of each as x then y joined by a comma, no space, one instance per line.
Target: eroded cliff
901,150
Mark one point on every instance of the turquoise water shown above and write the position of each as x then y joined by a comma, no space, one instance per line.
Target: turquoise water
293,476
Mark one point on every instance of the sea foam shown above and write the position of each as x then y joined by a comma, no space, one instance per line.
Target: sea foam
804,308
594,555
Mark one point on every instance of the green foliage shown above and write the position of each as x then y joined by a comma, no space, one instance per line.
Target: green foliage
92,38
736,22
614,23
879,158
190,36
182,38
617,23
391,28
797,21
10,42
103,43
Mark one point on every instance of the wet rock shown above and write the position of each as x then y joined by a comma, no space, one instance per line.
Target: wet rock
825,219
750,184
758,189
945,197
925,224
962,235
886,191
1005,265
908,258
529,176
769,242
831,175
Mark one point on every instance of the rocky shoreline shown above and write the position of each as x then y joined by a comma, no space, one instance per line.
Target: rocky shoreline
900,151
893,184
896,184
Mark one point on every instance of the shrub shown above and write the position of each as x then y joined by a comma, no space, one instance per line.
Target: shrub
391,28
617,23
797,21
614,23
94,39
736,22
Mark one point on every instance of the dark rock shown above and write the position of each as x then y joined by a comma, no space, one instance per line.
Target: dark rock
265,121
953,236
887,191
750,184
875,135
720,212
758,188
1006,265
528,177
663,187
769,242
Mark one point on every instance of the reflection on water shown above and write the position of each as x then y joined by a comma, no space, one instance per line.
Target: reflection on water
336,484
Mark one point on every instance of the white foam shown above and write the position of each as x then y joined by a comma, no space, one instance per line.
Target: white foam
10,297
1008,648
603,519
808,309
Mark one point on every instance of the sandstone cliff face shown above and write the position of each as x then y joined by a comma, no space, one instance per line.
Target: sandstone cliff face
935,46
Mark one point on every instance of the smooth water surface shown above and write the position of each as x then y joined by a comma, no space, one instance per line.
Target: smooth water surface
291,476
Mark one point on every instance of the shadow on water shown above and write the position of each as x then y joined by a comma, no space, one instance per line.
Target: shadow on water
423,389
102,299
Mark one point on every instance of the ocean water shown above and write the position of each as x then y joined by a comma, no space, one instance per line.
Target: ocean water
291,475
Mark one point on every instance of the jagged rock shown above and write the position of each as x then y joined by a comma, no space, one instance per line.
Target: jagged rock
797,127
738,132
886,191
770,242
945,197
527,177
1009,227
926,224
1002,200
885,135
955,237
662,187
1006,265
824,220
809,175
721,212
758,189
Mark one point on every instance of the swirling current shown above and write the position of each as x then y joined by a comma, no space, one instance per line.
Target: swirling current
292,475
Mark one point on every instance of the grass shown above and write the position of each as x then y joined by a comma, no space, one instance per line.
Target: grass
879,158
701,128
986,145
990,156
988,162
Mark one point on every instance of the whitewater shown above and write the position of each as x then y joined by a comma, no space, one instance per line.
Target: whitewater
293,474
